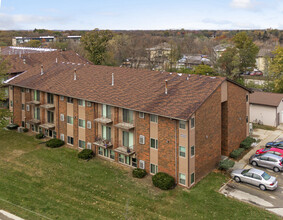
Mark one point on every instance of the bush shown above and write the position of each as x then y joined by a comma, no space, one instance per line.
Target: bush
226,164
246,144
54,143
85,154
139,173
39,136
25,130
163,181
12,126
237,153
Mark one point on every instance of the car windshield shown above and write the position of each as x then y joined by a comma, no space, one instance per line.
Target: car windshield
245,171
265,176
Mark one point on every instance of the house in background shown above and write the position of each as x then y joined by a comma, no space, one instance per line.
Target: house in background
219,49
266,108
190,61
263,58
45,40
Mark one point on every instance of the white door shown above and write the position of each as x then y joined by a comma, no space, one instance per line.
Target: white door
281,121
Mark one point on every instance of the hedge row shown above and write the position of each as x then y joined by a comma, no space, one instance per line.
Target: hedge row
237,153
226,164
163,181
54,143
86,154
139,173
246,144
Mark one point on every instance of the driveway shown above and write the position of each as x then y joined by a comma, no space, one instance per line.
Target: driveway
270,200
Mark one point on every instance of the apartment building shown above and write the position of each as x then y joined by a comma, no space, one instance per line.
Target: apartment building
161,122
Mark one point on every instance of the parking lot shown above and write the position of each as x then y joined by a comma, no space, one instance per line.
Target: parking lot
270,200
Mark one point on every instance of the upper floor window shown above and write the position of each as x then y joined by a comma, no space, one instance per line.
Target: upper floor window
154,118
70,120
81,102
127,116
23,90
106,111
50,98
36,113
70,100
36,95
88,104
141,114
182,124
192,122
153,143
106,133
50,117
61,98
247,98
81,123
128,139
182,151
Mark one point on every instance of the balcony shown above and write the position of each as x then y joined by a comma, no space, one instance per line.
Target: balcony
33,102
34,121
128,151
125,126
48,106
47,126
103,120
100,142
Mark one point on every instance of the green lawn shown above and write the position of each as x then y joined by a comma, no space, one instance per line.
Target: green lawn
56,184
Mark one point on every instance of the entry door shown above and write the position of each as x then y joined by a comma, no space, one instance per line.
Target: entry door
281,121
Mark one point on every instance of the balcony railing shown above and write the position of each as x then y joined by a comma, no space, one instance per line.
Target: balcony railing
34,102
125,150
125,125
100,142
47,106
103,120
34,121
47,126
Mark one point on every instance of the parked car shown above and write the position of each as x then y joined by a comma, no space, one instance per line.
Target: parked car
255,177
256,73
271,150
274,144
267,160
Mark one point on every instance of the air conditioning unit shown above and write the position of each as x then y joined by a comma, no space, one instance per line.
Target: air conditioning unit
142,139
142,164
20,129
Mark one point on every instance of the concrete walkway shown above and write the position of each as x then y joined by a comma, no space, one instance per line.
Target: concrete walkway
8,216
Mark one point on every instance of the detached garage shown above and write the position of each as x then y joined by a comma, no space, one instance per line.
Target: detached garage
266,108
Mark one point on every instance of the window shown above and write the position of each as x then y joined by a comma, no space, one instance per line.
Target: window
106,133
81,102
182,151
127,116
50,117
11,87
142,164
62,117
182,124
121,158
247,119
142,139
11,103
88,104
100,151
153,168
247,98
112,154
106,111
192,178
23,107
192,122
88,145
105,151
27,90
81,144
70,100
36,114
50,98
255,176
182,179
134,162
141,115
88,124
61,98
153,143
36,95
23,90
81,123
62,137
127,160
192,151
154,118
28,108
128,139
70,120
70,140
23,124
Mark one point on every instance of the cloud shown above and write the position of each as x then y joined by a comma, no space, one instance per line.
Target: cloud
245,4
213,21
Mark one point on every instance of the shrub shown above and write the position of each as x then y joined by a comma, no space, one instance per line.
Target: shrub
237,153
25,130
39,136
139,173
163,181
246,144
85,154
12,126
226,164
54,143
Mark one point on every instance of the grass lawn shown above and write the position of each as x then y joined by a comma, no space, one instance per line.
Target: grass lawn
56,184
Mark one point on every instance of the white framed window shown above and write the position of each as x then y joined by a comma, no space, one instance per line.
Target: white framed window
70,120
81,144
27,108
81,123
142,139
61,98
81,102
182,179
182,151
88,124
23,107
182,124
62,137
22,90
153,143
28,125
70,100
141,115
192,122
88,145
100,151
88,104
192,178
70,140
153,168
142,164
11,103
192,151
154,118
27,90
121,158
62,117
112,154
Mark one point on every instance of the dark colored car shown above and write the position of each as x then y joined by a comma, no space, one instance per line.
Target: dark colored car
274,144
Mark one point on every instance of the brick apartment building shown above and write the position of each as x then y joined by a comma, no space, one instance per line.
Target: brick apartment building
162,122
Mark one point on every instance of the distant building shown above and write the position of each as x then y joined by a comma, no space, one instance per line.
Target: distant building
189,61
262,59
18,41
219,49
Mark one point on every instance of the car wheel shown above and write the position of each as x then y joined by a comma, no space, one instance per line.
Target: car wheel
237,179
254,163
262,187
276,169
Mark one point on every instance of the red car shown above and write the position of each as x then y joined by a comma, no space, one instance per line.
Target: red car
272,150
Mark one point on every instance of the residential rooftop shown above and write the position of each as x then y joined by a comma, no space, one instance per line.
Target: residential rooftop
266,98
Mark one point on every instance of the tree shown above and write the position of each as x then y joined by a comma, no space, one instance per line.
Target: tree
33,43
276,69
204,70
96,43
247,51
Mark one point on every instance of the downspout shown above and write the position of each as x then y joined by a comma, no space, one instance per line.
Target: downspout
58,118
176,175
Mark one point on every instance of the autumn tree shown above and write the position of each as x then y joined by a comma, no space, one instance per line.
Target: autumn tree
204,70
33,43
95,43
276,69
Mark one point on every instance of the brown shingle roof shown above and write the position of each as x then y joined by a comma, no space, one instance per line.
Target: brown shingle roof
266,98
140,90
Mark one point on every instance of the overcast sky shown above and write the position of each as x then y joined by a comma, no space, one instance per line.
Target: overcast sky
141,14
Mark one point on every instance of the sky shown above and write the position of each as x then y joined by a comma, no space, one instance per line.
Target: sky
140,15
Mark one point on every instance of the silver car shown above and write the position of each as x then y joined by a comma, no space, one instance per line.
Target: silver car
267,160
255,177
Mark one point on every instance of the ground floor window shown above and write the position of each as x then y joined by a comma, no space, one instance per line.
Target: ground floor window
32,127
134,162
70,140
153,168
112,154
192,178
182,178
128,160
23,124
121,158
106,153
81,144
